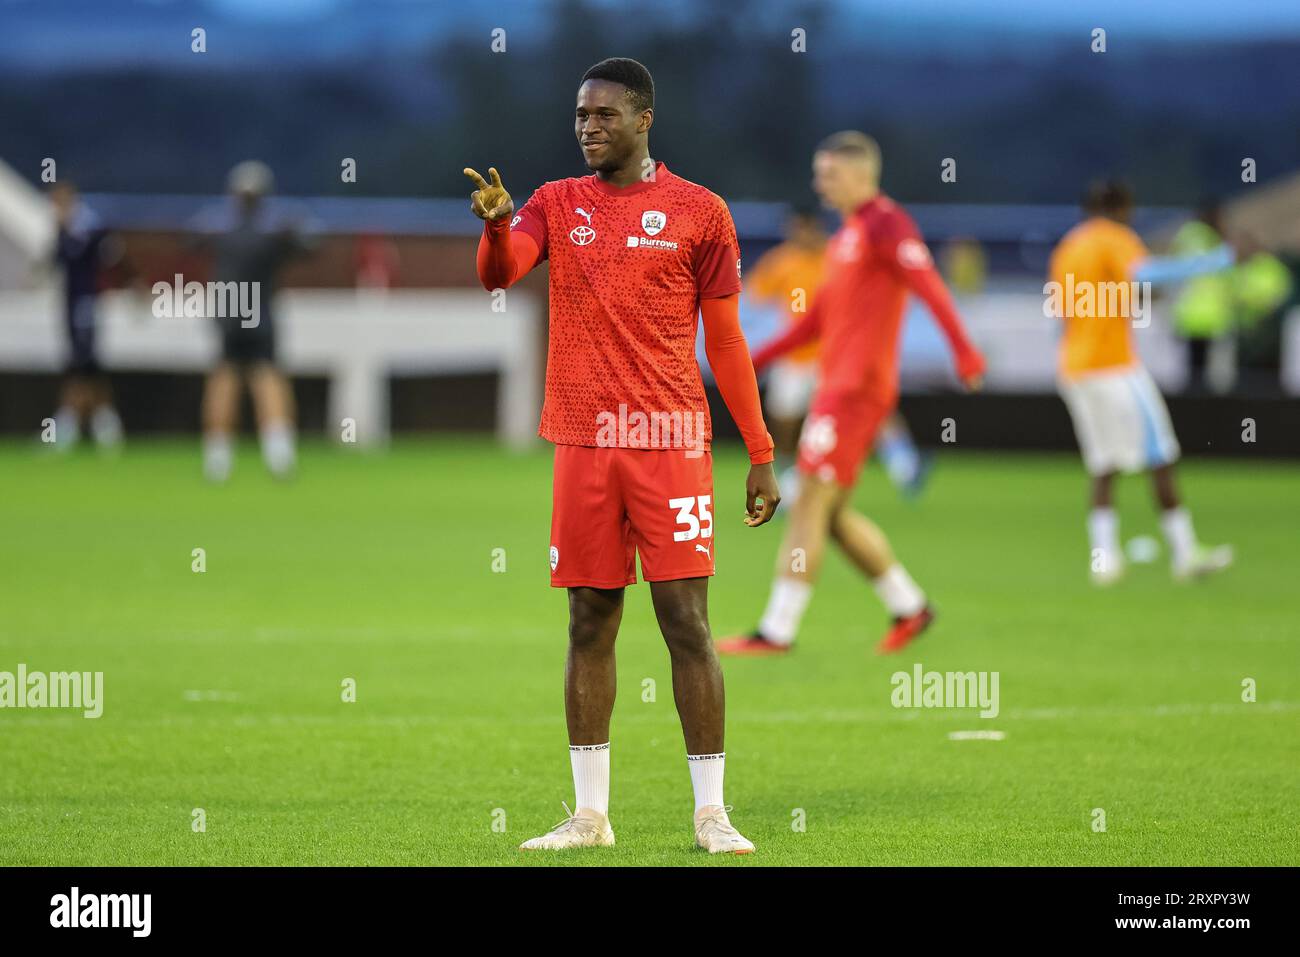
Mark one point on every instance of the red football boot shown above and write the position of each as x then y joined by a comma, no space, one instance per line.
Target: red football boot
753,645
905,630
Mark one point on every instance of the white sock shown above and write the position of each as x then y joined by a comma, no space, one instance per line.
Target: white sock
590,776
902,597
218,457
1177,526
1103,537
277,448
706,778
785,607
106,426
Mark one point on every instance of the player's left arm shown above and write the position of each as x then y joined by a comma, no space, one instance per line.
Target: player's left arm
728,353
911,262
715,260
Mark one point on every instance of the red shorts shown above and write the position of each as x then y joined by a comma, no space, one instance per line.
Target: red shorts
838,435
609,504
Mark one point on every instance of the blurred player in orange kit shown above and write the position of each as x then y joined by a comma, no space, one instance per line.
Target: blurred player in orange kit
637,255
1119,416
873,262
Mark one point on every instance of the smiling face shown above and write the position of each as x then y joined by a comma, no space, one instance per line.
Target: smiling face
609,130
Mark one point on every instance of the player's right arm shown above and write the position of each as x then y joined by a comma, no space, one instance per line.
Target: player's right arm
801,331
504,255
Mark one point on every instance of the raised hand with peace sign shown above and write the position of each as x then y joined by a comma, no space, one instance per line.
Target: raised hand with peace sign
490,201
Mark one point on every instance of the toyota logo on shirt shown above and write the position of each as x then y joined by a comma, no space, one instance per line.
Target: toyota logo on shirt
582,235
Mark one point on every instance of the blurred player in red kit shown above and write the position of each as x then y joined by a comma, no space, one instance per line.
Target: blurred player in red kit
872,263
637,255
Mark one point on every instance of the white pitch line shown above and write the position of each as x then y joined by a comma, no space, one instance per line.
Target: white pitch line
1020,714
461,720
196,695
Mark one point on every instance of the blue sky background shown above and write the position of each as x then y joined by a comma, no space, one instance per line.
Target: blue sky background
53,33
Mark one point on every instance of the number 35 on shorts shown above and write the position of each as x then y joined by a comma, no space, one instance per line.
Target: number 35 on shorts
693,513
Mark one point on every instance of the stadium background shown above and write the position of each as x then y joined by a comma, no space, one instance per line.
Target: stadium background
379,563
412,92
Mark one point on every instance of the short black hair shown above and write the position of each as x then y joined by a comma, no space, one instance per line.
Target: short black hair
630,73
1107,196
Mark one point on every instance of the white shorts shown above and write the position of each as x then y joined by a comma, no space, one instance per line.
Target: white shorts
1120,421
790,389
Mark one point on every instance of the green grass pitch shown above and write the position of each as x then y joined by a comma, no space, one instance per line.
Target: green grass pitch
223,689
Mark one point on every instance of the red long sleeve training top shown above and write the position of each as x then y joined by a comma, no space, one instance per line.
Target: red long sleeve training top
873,261
631,268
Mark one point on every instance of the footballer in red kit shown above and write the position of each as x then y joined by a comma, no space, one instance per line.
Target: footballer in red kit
629,267
638,256
873,263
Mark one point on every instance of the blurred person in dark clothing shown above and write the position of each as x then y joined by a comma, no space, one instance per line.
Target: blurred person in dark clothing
250,249
84,249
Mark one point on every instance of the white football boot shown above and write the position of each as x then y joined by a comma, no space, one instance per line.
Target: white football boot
586,828
714,833
1204,561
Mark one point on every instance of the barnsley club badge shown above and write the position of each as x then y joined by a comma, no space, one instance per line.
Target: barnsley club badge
652,221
